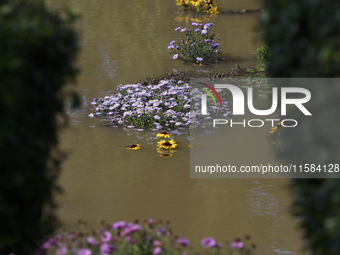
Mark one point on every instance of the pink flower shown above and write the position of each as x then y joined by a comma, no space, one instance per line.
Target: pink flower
183,241
84,252
91,240
157,251
156,243
62,251
118,225
106,237
107,248
237,245
130,229
208,242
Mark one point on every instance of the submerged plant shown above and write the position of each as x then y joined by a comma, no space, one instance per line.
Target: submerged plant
262,54
197,44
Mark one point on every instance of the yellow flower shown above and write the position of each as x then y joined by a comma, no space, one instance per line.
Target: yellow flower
166,155
133,147
212,10
277,127
184,3
167,145
196,3
164,134
209,2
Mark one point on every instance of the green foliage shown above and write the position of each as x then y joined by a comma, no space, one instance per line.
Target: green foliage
262,54
303,38
37,49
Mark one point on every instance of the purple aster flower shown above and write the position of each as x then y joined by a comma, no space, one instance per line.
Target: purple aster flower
237,245
172,42
62,251
107,248
177,47
118,225
90,240
175,56
171,46
157,251
178,28
204,31
46,245
156,243
129,239
215,45
156,117
183,241
131,228
193,44
199,59
197,29
218,38
183,30
208,242
160,231
84,252
106,237
194,24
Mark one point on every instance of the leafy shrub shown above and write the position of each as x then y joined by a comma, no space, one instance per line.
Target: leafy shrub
151,237
303,38
262,54
197,44
37,49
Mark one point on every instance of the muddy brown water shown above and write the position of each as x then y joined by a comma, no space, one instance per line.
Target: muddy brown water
122,42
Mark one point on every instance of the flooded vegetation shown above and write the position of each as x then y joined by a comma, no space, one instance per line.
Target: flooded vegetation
121,173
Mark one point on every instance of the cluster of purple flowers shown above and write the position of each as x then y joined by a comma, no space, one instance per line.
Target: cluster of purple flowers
118,238
164,105
151,237
197,45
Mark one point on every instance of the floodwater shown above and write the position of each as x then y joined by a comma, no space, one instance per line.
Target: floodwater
122,42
